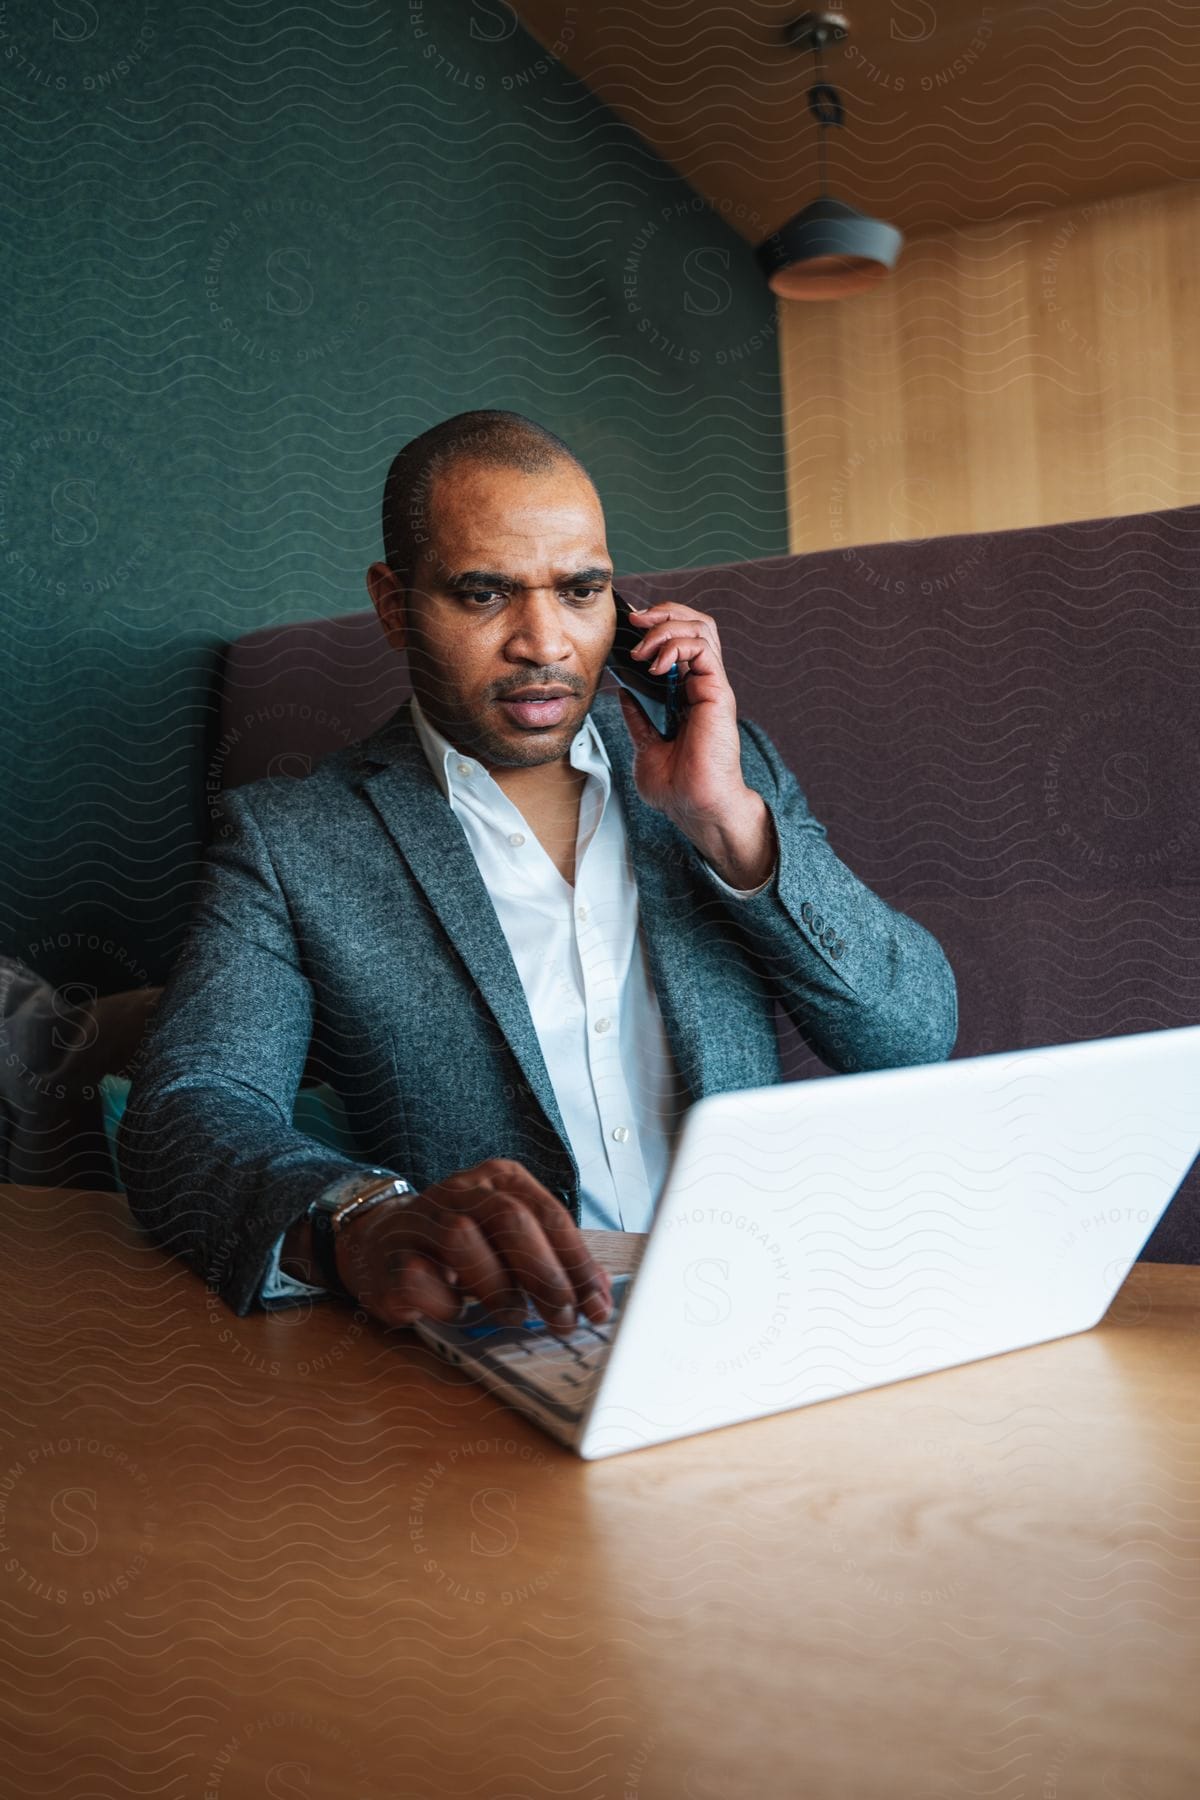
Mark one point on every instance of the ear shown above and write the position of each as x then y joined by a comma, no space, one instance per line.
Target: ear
387,597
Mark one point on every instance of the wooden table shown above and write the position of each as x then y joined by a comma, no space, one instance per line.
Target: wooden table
294,1555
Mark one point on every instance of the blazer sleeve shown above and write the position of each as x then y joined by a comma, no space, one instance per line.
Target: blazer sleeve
866,986
213,1167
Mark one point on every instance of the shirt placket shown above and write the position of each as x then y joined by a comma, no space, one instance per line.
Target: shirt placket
605,928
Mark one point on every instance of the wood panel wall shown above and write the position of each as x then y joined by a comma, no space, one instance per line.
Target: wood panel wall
1014,373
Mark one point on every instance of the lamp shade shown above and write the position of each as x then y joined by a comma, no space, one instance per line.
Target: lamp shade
828,251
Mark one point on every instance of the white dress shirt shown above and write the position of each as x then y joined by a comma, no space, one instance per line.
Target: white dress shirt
581,959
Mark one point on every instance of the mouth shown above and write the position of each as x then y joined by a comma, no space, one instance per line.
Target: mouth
538,706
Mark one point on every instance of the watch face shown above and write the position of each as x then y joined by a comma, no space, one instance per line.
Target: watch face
349,1187
330,1198
357,1191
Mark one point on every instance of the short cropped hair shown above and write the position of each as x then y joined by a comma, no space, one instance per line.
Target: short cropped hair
499,440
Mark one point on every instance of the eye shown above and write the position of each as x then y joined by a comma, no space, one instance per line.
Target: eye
478,598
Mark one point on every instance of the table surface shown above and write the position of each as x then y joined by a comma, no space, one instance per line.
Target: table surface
295,1555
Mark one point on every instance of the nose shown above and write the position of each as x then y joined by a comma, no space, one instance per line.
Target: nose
539,634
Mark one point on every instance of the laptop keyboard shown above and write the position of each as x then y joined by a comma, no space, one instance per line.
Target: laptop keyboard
563,1369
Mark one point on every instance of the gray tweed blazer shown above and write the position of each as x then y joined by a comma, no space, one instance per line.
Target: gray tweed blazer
342,924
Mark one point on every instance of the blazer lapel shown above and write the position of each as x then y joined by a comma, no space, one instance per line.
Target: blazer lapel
403,790
401,786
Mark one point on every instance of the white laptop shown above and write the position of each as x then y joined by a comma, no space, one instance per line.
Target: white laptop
821,1237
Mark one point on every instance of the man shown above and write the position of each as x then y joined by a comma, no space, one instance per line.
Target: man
518,934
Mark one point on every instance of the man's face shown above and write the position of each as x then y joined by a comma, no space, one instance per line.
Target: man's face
512,596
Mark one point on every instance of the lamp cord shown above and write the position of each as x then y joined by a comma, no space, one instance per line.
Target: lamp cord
823,158
822,122
825,104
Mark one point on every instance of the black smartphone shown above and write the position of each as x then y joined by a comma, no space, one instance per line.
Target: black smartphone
660,697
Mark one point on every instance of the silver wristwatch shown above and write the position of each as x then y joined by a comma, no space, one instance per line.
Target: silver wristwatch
355,1189
342,1200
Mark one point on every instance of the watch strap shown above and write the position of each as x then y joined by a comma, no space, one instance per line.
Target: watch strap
324,1248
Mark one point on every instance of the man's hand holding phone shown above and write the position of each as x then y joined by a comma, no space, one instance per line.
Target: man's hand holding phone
695,778
492,1231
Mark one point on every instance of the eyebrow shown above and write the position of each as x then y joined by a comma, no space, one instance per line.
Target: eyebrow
490,578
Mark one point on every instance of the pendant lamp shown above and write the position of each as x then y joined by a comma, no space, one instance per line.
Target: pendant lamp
829,250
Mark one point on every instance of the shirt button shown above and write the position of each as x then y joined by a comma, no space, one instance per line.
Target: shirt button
581,914
516,839
464,768
602,1024
621,1134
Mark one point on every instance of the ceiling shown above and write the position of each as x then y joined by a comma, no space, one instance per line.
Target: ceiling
956,112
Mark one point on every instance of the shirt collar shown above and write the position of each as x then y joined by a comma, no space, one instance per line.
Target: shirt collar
587,752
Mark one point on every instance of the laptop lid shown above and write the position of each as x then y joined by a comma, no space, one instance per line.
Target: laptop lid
818,1238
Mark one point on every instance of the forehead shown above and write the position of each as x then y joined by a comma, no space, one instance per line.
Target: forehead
475,509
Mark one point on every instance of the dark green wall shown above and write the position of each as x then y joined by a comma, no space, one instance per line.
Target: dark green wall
249,254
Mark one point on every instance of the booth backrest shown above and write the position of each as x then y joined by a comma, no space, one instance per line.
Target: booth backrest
1000,732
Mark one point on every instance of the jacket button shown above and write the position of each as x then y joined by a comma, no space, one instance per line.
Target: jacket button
835,950
818,925
806,912
830,936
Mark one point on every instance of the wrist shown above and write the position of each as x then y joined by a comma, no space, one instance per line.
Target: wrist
352,1249
296,1256
740,846
334,1212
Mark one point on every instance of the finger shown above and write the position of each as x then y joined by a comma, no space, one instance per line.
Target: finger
593,1285
501,1183
657,646
684,615
675,627
479,1271
705,675
416,1289
591,1289
564,1233
429,1230
518,1239
665,630
682,650
695,658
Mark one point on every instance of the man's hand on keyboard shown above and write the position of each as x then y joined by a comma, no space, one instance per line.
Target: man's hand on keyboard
492,1231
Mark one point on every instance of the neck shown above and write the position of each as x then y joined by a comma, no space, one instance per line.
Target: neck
540,784
544,782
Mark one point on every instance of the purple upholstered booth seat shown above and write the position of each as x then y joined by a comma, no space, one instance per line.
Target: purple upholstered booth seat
1000,732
